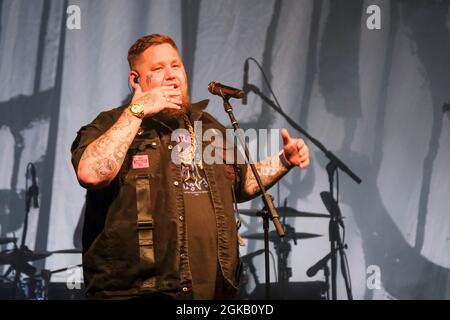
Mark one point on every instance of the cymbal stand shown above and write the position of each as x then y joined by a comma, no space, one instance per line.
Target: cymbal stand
283,248
265,215
252,268
326,273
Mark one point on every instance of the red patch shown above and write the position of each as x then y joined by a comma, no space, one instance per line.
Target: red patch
140,161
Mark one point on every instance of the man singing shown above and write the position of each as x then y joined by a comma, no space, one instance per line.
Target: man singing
155,228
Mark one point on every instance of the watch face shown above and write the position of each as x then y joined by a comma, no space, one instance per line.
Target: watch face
136,108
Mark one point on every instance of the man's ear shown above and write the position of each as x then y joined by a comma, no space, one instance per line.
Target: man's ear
134,78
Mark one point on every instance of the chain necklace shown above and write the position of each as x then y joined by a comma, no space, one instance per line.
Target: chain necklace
189,168
190,154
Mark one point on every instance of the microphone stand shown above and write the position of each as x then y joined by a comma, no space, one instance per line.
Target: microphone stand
330,155
269,210
31,194
31,200
334,164
248,261
323,264
334,235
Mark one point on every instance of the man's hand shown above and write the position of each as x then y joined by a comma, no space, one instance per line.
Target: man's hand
271,170
295,150
157,99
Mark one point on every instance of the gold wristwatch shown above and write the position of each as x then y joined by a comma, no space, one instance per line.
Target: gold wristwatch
137,110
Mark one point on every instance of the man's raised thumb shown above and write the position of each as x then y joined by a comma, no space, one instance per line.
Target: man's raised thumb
285,136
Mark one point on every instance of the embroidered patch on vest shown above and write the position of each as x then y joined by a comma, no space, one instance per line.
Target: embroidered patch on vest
183,138
140,161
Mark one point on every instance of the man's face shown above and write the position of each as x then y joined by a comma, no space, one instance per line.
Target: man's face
161,65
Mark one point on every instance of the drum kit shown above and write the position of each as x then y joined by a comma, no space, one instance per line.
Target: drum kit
21,277
282,289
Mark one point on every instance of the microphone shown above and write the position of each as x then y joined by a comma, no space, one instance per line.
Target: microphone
245,83
311,272
250,256
225,91
34,189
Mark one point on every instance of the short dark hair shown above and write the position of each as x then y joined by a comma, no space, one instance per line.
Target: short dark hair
144,43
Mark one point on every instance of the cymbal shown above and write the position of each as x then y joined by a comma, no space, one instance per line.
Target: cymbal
18,259
286,212
74,250
7,240
273,236
21,256
29,255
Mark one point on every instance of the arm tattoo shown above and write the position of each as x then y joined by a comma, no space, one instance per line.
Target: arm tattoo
105,156
103,168
128,118
121,150
99,148
270,170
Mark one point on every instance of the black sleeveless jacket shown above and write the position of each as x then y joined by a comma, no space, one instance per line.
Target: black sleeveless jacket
134,236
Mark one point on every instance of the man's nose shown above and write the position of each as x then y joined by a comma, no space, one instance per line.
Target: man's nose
170,73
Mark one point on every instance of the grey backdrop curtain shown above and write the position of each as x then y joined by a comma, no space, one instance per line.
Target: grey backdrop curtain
374,97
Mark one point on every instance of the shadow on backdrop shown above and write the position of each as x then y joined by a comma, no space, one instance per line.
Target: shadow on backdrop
406,274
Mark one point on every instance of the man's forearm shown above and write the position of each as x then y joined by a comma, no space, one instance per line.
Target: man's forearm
270,170
102,159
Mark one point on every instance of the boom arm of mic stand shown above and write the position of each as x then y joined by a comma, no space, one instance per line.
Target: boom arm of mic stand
266,197
331,156
335,163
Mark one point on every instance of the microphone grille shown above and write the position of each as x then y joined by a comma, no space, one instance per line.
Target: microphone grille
211,86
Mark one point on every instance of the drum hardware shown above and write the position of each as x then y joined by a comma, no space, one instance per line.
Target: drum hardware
282,247
34,286
287,212
8,240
